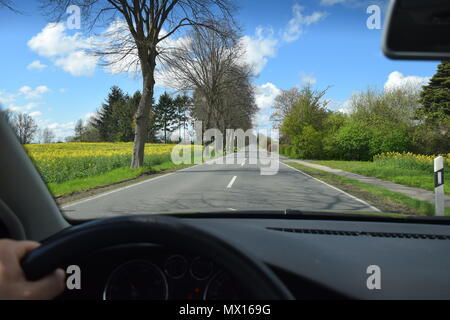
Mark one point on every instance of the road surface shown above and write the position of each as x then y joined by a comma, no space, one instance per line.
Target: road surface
219,187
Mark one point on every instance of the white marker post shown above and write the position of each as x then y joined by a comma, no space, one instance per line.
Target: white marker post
439,185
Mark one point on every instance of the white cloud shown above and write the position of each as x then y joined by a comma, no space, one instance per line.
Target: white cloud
263,45
70,52
6,97
344,107
307,78
62,130
78,63
23,108
53,41
35,114
265,95
259,48
32,94
397,80
36,65
63,90
262,121
331,2
296,25
88,115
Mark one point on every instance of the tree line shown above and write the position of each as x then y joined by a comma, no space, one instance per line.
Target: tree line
115,121
397,120
209,67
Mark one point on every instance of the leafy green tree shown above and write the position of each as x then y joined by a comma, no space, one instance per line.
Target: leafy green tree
182,106
432,137
352,142
123,115
304,123
387,118
432,134
105,121
435,97
165,113
91,133
333,123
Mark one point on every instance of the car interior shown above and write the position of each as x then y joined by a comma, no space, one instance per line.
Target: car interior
274,255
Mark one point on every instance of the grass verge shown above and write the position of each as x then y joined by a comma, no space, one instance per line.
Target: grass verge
385,200
408,176
109,178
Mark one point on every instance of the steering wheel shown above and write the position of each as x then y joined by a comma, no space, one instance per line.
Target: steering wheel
76,242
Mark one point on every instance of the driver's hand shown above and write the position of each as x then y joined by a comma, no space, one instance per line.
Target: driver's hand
14,285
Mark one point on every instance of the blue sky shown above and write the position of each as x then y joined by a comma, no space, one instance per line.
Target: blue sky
46,73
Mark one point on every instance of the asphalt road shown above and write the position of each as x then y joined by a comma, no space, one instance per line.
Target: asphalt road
219,187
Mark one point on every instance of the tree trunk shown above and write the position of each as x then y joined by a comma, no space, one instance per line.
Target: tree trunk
165,134
141,119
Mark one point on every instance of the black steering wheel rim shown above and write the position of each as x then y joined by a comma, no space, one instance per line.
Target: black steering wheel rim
76,242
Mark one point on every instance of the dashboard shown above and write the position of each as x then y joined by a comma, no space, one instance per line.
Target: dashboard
314,258
153,272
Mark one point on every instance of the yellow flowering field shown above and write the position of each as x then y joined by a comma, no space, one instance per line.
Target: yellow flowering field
62,162
409,157
64,150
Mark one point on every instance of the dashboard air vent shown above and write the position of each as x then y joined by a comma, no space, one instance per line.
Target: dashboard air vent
364,234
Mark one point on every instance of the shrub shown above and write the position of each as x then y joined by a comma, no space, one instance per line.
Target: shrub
352,142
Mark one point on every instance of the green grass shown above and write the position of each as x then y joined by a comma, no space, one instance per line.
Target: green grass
420,207
406,174
68,169
106,179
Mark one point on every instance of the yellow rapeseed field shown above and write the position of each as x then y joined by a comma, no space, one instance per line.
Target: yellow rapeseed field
411,156
80,150
62,162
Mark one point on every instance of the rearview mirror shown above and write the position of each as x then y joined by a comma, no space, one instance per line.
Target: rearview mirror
418,29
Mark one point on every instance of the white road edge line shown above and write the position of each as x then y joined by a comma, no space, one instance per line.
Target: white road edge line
232,182
131,186
347,194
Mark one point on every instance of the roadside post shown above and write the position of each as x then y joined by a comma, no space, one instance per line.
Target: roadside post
439,185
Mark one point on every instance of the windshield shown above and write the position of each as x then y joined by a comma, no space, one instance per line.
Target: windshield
224,107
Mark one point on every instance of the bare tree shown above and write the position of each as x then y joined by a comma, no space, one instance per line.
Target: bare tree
236,106
209,64
148,24
7,4
79,130
47,136
283,105
25,127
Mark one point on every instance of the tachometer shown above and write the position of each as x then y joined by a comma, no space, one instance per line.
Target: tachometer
221,287
136,280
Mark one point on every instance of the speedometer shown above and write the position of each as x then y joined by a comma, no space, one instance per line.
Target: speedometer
136,280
